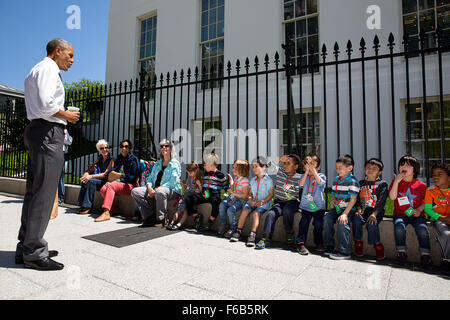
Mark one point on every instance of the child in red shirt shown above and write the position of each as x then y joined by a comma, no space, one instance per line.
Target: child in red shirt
408,194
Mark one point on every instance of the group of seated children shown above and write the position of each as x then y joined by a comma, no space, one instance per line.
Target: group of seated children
353,202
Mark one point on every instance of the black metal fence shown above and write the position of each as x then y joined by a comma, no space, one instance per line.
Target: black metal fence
366,101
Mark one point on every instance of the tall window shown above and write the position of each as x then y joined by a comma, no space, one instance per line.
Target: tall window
301,25
200,142
147,46
426,15
305,132
212,38
416,116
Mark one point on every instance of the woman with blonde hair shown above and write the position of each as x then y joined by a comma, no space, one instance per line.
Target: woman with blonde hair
163,185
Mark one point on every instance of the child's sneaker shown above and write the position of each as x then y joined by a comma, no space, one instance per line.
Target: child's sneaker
302,249
209,224
425,261
320,248
401,258
251,240
235,237
340,256
359,248
198,222
262,244
221,229
290,238
328,250
229,233
379,251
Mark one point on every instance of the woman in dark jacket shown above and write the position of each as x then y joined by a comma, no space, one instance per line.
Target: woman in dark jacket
125,175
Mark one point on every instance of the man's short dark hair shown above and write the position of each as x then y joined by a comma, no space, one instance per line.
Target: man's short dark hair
129,143
412,161
58,42
375,162
443,166
346,160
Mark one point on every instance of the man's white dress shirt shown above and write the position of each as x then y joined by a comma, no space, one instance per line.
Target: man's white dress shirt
44,92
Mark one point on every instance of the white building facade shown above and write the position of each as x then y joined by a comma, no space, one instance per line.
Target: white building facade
164,36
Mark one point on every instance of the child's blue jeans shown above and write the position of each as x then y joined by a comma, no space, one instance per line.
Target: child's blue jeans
229,207
421,228
303,226
373,231
343,231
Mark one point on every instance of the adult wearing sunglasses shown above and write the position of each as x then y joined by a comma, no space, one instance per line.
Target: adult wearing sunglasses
95,177
126,169
163,185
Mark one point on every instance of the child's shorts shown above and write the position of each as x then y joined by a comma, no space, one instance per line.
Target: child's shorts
260,210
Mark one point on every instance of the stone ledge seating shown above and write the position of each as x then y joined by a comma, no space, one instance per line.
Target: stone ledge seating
126,207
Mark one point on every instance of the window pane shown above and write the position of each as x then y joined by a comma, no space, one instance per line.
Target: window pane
434,130
204,5
426,4
205,51
301,46
220,3
313,43
154,22
148,37
409,6
142,52
443,17
311,6
288,11
220,14
143,26
154,35
220,48
313,26
153,52
301,28
212,16
212,31
212,4
300,8
204,18
204,33
410,24
142,38
289,32
213,46
220,30
433,111
427,20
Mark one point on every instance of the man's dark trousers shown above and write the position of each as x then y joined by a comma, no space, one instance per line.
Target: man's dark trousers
44,143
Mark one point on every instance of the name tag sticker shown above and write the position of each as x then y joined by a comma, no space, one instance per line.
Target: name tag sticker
403,201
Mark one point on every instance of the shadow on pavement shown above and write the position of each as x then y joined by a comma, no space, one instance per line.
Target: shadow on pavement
12,201
7,260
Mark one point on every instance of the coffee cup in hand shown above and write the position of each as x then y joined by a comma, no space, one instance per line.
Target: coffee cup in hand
73,109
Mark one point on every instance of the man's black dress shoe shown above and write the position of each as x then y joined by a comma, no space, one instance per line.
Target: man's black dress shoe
51,254
45,264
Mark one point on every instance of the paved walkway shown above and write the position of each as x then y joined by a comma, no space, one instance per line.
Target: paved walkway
187,266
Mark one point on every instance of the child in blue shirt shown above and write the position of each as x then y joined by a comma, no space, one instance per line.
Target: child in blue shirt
312,203
261,194
345,191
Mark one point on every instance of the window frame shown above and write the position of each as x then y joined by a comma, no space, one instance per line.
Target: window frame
307,36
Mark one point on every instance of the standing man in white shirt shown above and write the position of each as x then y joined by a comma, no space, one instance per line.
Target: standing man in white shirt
44,139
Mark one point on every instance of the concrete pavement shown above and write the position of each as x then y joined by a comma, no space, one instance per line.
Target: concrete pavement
191,266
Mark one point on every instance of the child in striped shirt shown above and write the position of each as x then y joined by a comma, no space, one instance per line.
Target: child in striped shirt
238,194
287,193
345,191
